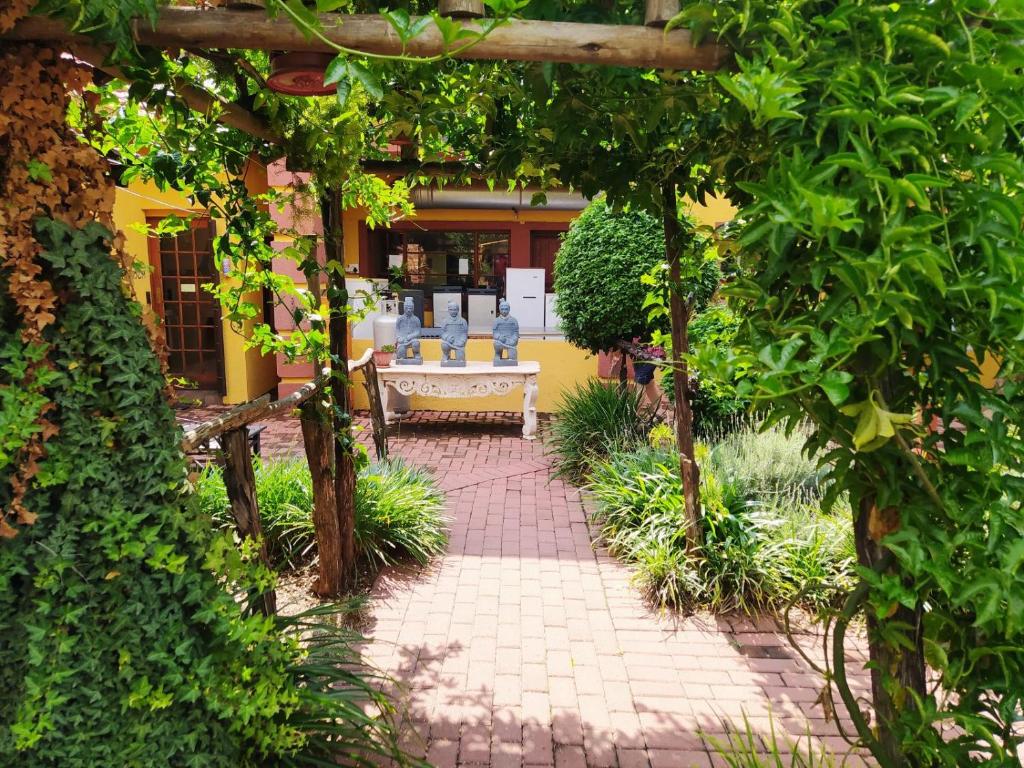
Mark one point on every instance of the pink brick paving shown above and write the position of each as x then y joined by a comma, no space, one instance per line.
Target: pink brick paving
525,646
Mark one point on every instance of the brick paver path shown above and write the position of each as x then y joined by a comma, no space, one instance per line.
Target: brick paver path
525,646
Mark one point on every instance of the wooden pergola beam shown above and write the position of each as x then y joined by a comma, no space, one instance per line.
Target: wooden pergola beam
517,40
225,112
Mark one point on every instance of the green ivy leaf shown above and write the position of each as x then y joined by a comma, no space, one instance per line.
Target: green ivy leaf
39,171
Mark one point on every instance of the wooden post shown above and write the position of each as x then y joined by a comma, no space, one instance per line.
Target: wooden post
620,45
240,482
658,13
226,112
680,314
377,425
461,9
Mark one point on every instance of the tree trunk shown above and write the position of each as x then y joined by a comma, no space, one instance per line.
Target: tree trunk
905,666
318,441
680,313
344,460
317,437
240,483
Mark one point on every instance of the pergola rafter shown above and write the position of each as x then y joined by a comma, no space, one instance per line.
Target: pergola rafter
515,40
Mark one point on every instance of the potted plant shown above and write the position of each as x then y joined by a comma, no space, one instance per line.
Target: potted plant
382,357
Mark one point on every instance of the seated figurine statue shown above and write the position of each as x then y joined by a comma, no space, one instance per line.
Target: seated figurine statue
506,336
454,334
407,336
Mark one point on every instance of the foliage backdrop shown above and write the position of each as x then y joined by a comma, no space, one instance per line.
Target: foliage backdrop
882,254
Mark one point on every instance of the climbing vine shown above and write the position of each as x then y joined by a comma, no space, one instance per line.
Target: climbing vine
45,169
875,150
120,598
880,297
122,636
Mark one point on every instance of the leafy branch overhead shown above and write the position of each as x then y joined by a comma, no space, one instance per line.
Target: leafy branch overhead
875,154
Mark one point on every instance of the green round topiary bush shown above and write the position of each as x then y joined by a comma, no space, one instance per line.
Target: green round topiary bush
598,273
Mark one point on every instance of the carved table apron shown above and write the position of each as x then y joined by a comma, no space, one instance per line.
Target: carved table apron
477,379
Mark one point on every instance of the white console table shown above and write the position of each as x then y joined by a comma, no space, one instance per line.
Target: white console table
477,379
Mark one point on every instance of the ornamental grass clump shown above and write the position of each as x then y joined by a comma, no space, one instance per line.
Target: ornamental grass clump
765,544
593,420
399,511
767,464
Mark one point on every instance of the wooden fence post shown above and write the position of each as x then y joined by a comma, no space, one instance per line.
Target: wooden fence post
240,482
377,425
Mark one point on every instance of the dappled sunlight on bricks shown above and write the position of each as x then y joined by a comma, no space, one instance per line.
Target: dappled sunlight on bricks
524,646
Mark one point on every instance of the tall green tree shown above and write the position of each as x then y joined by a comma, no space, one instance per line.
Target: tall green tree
883,250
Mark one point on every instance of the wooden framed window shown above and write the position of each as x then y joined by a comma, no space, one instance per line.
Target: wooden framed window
182,265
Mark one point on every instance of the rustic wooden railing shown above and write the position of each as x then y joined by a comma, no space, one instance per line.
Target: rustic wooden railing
232,435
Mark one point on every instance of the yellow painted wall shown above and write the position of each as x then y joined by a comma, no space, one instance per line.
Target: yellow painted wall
247,373
562,366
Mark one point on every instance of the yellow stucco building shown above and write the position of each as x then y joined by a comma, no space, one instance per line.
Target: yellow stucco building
203,349
462,242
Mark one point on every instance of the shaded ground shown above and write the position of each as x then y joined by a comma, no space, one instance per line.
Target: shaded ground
525,646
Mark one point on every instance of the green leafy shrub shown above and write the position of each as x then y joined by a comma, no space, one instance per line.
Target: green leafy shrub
591,421
399,510
768,464
755,555
717,407
598,271
121,638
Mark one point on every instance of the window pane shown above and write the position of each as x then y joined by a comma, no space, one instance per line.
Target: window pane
494,257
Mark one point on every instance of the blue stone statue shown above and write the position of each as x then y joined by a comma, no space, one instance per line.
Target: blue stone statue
407,336
454,334
506,336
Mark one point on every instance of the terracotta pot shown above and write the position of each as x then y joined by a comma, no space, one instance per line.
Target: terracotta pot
299,73
383,359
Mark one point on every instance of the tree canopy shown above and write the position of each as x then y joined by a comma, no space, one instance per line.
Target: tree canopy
876,152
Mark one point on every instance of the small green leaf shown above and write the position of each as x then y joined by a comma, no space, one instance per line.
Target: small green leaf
39,171
343,90
835,385
369,80
399,20
336,71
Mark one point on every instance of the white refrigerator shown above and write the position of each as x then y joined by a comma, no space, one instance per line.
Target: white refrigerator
524,290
